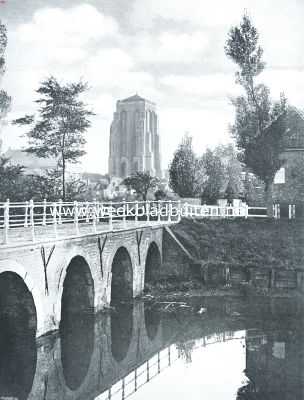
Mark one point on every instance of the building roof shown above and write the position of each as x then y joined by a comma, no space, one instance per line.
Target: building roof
135,97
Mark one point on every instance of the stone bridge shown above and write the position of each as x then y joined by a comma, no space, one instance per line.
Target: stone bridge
44,278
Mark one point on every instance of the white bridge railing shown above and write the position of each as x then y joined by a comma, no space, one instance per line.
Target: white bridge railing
115,215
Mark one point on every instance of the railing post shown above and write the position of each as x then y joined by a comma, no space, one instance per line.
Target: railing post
94,217
148,210
55,219
32,222
110,217
6,221
76,222
44,213
136,212
124,217
170,211
87,212
246,211
26,214
179,205
60,212
158,211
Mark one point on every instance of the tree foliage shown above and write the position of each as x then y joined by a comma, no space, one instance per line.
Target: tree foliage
141,182
260,124
5,100
10,179
59,129
183,168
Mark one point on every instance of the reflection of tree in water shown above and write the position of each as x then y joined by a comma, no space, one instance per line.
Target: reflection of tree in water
185,350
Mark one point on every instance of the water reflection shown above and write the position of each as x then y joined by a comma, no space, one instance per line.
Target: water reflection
234,350
152,319
77,346
121,329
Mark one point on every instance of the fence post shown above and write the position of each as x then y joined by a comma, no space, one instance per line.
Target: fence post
26,214
55,219
124,217
6,221
76,222
44,213
110,217
60,212
32,222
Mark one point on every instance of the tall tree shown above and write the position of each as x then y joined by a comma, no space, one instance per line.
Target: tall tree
59,129
182,171
260,124
5,100
141,182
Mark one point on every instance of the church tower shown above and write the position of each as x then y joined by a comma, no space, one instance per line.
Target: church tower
134,138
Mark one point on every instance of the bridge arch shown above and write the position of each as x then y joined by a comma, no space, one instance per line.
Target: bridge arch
77,322
18,321
122,276
12,267
78,287
153,263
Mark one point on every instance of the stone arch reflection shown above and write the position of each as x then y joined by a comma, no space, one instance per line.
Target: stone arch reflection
77,322
18,324
121,330
152,319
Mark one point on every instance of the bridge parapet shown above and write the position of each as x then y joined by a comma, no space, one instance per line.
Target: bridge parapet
30,222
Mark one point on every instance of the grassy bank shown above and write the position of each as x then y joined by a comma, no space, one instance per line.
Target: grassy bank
244,243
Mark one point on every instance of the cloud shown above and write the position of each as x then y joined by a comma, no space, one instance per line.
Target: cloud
74,27
171,47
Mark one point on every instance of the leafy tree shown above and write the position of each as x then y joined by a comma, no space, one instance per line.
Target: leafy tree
182,171
215,173
59,128
10,178
232,171
160,194
5,100
260,124
141,182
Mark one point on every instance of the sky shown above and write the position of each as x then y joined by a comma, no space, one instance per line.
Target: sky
168,51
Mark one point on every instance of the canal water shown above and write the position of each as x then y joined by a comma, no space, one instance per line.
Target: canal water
195,348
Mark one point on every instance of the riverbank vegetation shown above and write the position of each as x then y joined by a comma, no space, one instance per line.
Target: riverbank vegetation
245,243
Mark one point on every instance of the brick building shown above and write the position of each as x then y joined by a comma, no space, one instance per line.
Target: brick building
289,181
